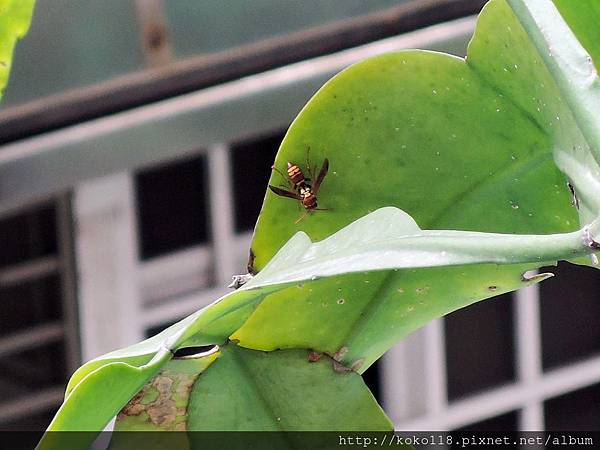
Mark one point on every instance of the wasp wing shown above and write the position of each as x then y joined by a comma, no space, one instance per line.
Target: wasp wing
285,193
322,173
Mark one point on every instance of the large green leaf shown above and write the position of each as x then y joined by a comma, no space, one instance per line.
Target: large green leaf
249,390
487,144
15,17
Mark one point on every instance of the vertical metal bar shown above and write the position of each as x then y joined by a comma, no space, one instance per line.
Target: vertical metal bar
528,345
435,367
403,380
66,255
221,208
107,259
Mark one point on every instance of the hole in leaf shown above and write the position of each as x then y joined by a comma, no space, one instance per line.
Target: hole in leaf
195,352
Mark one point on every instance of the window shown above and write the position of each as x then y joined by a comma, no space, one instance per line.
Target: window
38,337
576,411
479,347
570,315
171,201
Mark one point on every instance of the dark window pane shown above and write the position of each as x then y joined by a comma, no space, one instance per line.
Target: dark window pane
252,161
29,304
487,428
575,411
37,421
505,422
28,235
570,315
372,380
32,370
172,207
479,346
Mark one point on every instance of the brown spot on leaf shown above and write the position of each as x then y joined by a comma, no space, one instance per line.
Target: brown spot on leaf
340,353
168,410
250,265
339,368
314,356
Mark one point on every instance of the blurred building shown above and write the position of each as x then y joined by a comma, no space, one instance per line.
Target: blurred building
125,133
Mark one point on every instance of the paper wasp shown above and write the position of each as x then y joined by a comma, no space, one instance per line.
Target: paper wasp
302,188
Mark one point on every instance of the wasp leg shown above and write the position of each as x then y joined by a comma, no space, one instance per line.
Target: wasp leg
287,180
311,172
301,218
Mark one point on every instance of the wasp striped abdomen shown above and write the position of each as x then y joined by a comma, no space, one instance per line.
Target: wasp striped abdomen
295,174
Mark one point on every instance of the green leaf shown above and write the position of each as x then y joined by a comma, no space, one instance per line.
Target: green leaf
247,390
161,406
15,17
338,315
582,17
210,325
485,144
97,398
577,141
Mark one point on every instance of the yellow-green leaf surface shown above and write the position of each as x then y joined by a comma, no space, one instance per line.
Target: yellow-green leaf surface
583,16
251,390
15,17
486,144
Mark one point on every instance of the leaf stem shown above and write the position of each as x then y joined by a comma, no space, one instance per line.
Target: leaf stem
568,63
344,252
